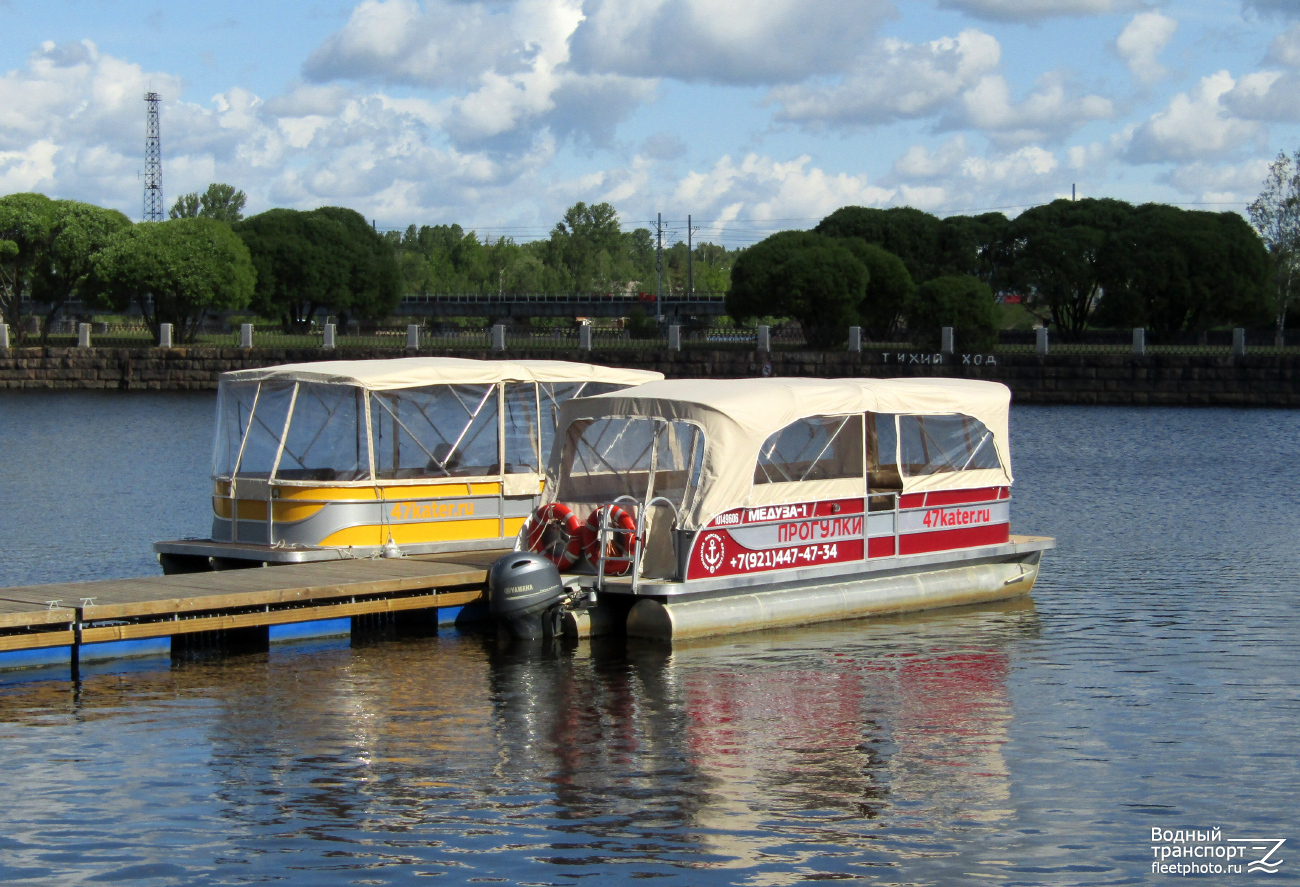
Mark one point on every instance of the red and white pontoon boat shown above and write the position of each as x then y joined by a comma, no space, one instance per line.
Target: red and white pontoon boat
699,507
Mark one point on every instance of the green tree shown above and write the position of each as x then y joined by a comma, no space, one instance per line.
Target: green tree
77,232
176,271
888,288
1056,251
977,245
222,202
1169,269
25,222
589,250
914,236
1275,214
815,279
960,301
328,258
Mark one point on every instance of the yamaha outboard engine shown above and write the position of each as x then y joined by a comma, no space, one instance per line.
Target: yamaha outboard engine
525,591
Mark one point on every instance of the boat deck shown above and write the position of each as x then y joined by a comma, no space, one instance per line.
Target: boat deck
75,613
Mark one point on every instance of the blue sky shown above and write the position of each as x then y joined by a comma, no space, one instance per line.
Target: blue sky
749,115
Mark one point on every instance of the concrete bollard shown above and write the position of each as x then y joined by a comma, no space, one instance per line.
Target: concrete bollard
946,340
83,335
765,339
327,340
4,335
1040,341
855,339
1139,341
1239,342
412,337
584,336
499,337
674,338
164,335
245,335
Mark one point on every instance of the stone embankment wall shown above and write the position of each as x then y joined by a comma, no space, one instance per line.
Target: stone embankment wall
1252,380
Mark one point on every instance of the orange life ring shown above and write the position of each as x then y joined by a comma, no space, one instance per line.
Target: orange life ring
620,547
555,533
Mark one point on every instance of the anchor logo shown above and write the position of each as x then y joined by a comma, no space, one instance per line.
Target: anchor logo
712,552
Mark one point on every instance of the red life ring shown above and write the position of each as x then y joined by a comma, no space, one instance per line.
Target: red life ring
555,533
620,546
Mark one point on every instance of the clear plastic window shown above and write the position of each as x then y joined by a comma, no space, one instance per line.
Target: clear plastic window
234,409
611,457
816,448
327,435
521,428
935,444
437,431
265,427
553,394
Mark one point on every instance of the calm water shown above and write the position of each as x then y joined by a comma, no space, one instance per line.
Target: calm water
1150,682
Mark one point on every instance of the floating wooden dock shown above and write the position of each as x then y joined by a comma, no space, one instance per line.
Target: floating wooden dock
186,606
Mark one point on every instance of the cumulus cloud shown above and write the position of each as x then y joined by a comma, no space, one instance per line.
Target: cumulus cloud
1227,183
504,68
1142,41
1266,95
894,81
1286,47
724,41
1049,113
759,188
1034,10
952,178
1195,126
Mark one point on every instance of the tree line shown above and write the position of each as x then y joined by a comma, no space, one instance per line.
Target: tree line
586,252
206,257
1073,263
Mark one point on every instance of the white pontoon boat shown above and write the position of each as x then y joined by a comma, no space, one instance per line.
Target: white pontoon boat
702,507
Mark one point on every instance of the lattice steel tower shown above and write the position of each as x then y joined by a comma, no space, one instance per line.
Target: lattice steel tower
153,196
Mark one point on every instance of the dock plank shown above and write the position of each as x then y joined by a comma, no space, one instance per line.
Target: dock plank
188,592
20,614
275,617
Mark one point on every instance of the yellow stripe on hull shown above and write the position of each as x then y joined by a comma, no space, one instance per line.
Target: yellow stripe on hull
408,534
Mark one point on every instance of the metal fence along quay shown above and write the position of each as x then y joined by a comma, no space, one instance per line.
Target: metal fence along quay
432,338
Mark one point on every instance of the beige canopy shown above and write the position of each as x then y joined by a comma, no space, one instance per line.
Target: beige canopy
737,416
415,372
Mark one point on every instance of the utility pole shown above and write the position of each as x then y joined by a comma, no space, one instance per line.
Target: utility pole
153,195
690,263
659,263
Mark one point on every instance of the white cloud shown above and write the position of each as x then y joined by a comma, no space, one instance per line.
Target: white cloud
1218,182
951,178
759,188
1047,114
1195,126
1034,10
1142,41
1266,95
28,170
894,81
724,41
1286,47
506,67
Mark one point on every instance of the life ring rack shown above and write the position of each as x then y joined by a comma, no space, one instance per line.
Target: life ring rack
551,525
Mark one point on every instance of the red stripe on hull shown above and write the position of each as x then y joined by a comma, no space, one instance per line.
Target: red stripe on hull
919,543
881,546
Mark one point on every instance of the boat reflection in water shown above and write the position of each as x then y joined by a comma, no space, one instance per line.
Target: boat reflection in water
782,754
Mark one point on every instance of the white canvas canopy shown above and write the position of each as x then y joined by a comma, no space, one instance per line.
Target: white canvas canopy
738,416
415,372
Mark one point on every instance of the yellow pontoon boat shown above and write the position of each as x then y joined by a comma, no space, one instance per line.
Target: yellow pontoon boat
336,459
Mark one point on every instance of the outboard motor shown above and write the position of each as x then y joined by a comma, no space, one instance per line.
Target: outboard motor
525,591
